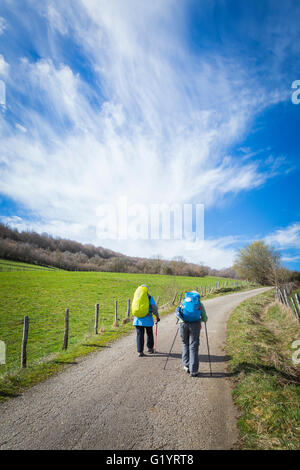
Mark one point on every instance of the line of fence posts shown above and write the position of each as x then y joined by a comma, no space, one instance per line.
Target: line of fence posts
282,296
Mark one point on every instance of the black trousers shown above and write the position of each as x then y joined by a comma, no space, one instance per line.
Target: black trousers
140,337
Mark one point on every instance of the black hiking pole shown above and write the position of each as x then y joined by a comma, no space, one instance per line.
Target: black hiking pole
208,349
175,335
172,346
155,343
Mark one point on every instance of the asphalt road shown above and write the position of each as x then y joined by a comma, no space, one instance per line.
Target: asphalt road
116,400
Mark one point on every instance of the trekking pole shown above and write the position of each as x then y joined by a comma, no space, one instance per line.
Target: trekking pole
208,349
172,346
155,344
175,336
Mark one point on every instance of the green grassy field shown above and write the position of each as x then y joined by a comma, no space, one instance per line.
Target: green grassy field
266,380
8,266
44,296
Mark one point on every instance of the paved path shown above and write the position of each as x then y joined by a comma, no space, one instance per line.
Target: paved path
115,400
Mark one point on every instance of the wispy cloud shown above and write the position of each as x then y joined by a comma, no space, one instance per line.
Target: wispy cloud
157,124
2,25
4,67
288,237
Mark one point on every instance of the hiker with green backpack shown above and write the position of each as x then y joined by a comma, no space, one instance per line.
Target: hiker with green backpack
143,309
190,314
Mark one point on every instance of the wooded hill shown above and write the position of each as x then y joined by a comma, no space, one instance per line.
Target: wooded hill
46,250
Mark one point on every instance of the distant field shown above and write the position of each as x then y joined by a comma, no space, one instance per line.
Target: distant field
8,266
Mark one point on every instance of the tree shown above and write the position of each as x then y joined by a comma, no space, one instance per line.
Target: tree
156,263
259,263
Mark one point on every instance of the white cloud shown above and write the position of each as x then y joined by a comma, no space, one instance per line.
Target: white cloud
286,238
56,228
218,253
291,259
2,25
55,19
21,128
162,133
4,67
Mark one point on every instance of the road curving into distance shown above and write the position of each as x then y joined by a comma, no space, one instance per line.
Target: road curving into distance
116,400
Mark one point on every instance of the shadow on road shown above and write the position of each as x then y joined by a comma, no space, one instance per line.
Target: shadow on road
9,394
66,362
216,375
202,357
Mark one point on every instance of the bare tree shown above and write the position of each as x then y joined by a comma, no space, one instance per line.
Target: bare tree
259,263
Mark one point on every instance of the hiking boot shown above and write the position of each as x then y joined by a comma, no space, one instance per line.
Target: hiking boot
186,369
194,374
150,351
141,354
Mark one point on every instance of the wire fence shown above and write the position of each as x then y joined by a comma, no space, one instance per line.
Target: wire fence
285,295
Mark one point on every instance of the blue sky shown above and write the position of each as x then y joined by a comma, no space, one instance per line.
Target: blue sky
160,102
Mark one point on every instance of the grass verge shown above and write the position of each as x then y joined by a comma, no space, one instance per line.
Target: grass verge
266,381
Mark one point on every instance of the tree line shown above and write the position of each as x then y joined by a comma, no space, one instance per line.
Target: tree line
46,250
257,262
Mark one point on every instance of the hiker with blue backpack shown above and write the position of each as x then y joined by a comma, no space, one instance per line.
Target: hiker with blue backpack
143,309
190,314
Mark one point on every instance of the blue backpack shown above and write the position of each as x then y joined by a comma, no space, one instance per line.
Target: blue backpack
191,307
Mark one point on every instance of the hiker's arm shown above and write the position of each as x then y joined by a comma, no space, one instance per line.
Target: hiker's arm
154,308
179,314
203,314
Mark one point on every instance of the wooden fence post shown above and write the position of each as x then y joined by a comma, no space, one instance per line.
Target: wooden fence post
24,342
286,298
281,297
116,323
66,335
294,308
298,303
96,318
127,316
128,308
174,297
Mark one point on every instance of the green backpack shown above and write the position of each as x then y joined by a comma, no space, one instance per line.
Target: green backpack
140,303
